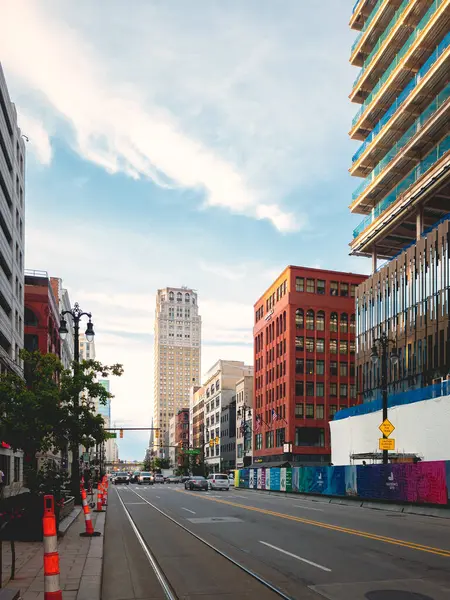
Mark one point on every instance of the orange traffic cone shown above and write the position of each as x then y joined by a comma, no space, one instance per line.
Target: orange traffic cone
99,498
88,520
52,589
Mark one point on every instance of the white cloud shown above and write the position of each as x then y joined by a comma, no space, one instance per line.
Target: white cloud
38,138
111,125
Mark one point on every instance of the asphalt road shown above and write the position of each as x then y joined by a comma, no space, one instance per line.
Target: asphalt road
309,550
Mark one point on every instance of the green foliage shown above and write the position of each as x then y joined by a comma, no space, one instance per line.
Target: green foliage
161,463
50,479
53,407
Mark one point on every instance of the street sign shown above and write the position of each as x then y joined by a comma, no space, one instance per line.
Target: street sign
192,451
386,428
386,444
112,436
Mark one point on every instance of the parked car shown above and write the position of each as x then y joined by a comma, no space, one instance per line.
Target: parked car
173,479
122,477
159,478
145,477
218,481
185,478
196,483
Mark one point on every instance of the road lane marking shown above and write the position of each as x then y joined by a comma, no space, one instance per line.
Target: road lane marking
158,497
305,560
188,510
307,507
134,503
356,532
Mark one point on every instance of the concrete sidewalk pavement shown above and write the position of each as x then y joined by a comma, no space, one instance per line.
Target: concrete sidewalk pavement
80,564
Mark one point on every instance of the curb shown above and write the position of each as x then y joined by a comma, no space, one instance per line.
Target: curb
65,524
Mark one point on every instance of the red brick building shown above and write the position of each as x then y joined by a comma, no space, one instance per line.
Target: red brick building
304,356
182,433
41,317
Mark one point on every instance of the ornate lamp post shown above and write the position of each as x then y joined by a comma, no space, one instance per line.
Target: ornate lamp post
76,314
243,413
382,343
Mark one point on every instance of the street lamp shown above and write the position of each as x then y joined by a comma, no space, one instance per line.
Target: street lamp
243,413
76,314
383,343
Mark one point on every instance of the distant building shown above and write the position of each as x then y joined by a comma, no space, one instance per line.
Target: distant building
177,354
41,314
182,434
228,436
172,441
244,424
196,416
63,301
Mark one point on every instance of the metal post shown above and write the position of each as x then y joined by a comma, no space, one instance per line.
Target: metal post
384,385
75,475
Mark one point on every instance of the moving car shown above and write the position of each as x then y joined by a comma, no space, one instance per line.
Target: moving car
135,477
196,483
173,479
218,481
145,477
122,477
159,478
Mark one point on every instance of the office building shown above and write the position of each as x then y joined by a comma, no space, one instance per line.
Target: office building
304,352
228,436
182,436
244,425
176,354
403,158
173,455
196,416
41,314
12,234
220,390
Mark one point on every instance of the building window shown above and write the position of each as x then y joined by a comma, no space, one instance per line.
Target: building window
258,441
299,318
299,366
334,288
31,319
319,411
299,342
320,321
343,347
309,436
333,390
343,369
310,388
320,391
333,410
333,322
299,411
343,390
187,298
310,320
333,368
320,345
352,347
353,391
344,289
310,286
309,367
352,290
299,284
333,346
299,388
280,437
310,411
343,325
269,439
320,286
309,344
171,296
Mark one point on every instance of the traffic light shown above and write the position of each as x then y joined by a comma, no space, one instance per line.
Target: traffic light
157,434
121,433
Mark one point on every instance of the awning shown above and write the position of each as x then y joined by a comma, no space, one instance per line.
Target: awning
269,465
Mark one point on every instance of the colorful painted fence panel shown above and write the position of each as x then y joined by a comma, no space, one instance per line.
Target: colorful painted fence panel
424,483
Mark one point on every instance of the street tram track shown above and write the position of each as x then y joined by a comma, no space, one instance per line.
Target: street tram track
162,577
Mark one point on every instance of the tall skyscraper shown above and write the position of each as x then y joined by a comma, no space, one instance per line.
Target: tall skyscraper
12,234
177,353
402,125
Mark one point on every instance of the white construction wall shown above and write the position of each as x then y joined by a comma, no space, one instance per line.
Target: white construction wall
422,428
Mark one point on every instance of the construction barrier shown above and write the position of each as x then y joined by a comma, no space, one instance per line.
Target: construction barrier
99,498
87,517
52,589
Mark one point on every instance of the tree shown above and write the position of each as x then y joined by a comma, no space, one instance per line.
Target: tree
53,407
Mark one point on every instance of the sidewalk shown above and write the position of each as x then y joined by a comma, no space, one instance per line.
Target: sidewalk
80,564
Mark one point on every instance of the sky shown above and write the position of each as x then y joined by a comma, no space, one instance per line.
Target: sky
200,143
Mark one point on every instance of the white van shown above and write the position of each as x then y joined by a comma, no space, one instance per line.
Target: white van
218,481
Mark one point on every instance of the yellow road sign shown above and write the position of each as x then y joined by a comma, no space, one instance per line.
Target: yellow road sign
386,428
385,444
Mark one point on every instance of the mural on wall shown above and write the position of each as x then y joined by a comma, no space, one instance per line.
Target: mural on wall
425,482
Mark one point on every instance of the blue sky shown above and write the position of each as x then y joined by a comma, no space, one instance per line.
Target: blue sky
180,143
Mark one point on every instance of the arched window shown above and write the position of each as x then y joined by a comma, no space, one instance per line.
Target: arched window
217,385
30,318
343,324
212,389
353,324
284,321
299,318
278,326
333,322
187,298
320,321
171,296
310,320
193,300
179,297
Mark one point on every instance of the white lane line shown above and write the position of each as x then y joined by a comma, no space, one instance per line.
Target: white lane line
158,497
134,503
309,562
307,507
190,511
